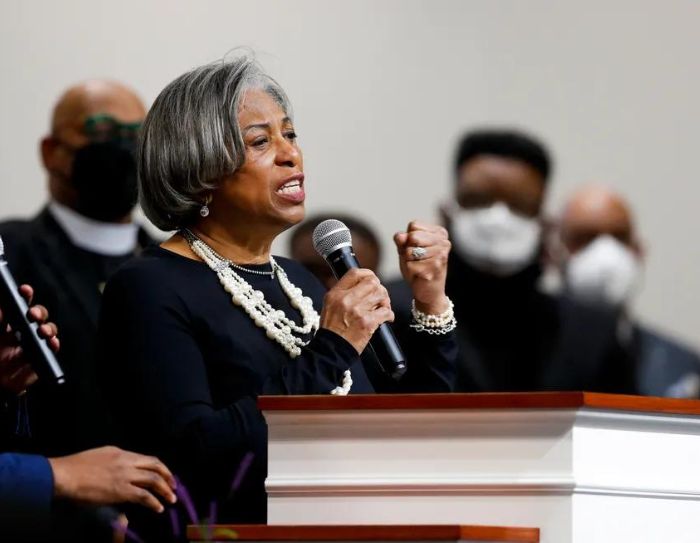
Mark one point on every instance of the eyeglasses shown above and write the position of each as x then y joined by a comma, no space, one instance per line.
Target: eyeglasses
102,127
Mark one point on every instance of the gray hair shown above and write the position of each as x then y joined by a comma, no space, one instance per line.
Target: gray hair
191,138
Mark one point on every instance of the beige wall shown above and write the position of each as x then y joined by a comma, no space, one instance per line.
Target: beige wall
382,88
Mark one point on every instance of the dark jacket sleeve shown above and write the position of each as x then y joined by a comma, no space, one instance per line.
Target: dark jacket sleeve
591,358
431,359
26,491
319,368
665,366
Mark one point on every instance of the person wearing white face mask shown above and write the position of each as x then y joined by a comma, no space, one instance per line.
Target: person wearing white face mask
600,257
605,272
494,238
514,337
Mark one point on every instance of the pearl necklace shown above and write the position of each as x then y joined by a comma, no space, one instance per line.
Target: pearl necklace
277,325
270,274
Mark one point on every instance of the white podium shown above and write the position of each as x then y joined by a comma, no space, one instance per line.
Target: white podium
582,467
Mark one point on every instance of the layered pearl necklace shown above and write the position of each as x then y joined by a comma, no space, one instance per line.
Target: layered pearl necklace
277,325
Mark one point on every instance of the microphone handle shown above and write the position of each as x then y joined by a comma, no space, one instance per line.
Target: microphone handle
386,348
14,310
383,342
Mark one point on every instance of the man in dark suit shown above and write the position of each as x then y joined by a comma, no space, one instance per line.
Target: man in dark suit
601,259
513,336
69,250
35,490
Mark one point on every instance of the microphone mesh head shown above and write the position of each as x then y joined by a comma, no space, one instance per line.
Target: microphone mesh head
329,235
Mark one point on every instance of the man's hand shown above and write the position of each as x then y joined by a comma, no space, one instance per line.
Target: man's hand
109,475
15,372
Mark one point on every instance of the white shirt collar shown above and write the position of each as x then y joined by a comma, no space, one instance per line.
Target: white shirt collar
110,239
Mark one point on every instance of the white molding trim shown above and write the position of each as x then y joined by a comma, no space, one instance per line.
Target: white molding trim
629,420
282,487
630,492
412,485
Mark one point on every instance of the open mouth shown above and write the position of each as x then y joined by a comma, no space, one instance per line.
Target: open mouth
290,187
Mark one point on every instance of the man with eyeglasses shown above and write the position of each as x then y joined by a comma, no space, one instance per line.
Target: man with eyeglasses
69,250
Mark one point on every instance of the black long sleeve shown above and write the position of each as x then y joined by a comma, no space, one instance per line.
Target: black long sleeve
431,359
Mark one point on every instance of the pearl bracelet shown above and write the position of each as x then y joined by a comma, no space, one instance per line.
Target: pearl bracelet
434,324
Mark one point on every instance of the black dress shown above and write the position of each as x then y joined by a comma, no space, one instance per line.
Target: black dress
182,367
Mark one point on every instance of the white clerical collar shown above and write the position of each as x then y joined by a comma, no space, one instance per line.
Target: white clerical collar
110,239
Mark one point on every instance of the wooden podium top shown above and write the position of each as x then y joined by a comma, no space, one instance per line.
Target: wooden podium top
363,533
518,400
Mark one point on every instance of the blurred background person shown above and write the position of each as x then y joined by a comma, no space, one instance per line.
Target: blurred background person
69,250
513,336
601,259
365,243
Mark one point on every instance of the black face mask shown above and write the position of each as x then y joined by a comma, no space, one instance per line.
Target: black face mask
104,175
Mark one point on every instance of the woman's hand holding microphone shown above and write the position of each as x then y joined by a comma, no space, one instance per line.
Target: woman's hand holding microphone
356,306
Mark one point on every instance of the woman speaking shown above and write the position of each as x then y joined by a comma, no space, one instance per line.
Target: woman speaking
195,329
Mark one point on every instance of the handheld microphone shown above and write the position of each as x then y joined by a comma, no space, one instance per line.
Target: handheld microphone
15,310
332,240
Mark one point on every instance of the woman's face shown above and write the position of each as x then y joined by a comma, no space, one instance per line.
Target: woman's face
267,191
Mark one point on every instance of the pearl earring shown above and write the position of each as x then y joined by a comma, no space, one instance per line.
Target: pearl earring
204,210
